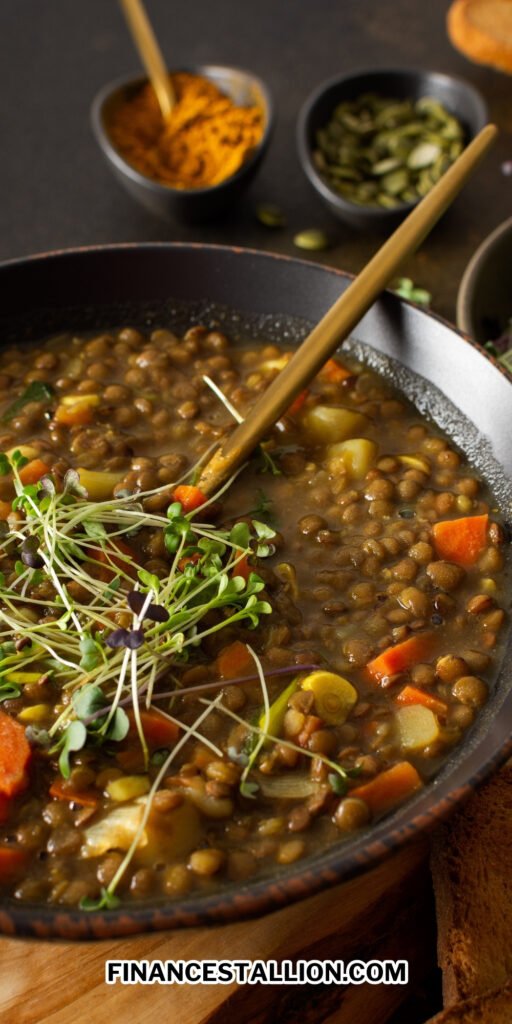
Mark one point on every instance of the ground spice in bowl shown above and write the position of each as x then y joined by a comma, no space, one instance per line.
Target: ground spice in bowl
206,140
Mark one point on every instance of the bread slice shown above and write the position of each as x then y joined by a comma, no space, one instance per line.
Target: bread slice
472,873
482,30
491,1008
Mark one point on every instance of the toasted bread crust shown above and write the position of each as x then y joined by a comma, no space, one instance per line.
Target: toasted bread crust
492,1008
482,30
473,888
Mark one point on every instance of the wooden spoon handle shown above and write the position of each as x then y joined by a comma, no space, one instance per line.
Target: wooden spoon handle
342,317
150,53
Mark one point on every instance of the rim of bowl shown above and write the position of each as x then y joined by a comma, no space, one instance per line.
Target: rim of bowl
304,147
470,276
322,871
106,145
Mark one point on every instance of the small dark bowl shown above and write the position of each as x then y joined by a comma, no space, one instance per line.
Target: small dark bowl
459,98
191,205
484,300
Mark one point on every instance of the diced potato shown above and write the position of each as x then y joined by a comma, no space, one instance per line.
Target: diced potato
128,787
417,726
355,456
174,833
115,831
330,423
71,400
334,696
99,486
275,364
415,462
35,713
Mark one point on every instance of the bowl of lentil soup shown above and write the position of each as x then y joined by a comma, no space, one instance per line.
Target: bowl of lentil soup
208,710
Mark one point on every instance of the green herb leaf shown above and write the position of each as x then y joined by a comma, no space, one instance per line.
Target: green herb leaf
74,738
37,391
119,726
91,651
149,580
8,691
337,783
107,901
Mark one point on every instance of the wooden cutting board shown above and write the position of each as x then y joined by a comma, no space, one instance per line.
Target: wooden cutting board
387,912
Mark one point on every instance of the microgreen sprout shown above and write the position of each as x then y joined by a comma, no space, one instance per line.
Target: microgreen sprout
71,544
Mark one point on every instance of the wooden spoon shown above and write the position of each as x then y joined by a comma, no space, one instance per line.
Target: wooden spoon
342,317
150,53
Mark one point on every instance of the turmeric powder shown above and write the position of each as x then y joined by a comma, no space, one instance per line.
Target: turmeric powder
206,139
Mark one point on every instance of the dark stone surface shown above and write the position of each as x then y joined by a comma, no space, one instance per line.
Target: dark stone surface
57,192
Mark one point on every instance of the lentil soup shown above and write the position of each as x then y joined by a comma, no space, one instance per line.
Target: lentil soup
198,691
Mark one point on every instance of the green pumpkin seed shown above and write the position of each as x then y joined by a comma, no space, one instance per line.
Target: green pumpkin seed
395,182
389,202
312,239
385,166
270,215
423,155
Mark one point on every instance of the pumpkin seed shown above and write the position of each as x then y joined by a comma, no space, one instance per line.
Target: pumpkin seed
312,239
423,155
384,166
396,182
270,215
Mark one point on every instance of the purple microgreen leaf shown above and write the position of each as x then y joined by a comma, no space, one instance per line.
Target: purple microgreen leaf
117,638
136,601
157,613
134,639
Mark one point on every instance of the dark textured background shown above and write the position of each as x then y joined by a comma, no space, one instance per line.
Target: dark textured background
55,54
57,192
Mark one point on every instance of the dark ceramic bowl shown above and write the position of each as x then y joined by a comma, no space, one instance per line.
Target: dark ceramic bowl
456,95
484,300
189,205
277,299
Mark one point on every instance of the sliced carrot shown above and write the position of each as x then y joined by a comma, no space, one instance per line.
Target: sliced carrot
188,560
234,661
461,540
335,371
33,471
111,559
5,510
61,790
12,862
15,755
413,695
396,659
297,404
189,497
389,788
158,730
242,568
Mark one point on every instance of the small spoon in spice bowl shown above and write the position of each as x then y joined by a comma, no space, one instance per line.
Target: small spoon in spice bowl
150,53
183,144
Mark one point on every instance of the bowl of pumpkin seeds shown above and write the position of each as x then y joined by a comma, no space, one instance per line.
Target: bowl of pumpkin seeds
373,143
